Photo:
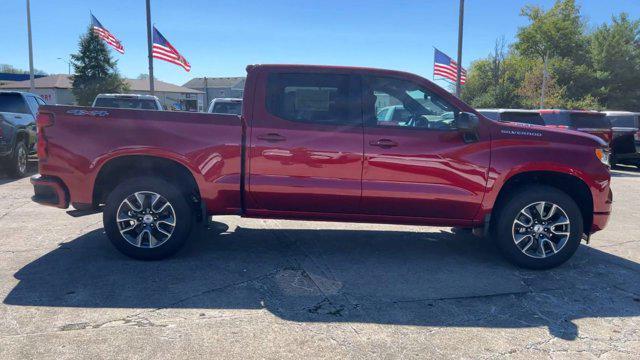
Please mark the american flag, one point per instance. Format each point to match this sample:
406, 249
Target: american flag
105, 35
444, 66
163, 50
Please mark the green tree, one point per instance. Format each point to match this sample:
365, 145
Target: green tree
558, 32
557, 37
492, 82
615, 52
95, 70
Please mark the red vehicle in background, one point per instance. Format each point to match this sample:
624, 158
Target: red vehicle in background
309, 145
591, 122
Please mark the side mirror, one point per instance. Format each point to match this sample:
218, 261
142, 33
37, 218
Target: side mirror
467, 122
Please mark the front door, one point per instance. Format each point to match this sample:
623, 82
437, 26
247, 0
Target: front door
416, 162
306, 144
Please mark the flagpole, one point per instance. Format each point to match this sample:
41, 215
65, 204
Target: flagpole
32, 84
149, 48
460, 22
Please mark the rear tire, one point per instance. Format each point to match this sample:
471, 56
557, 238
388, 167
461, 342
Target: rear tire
18, 162
529, 240
147, 218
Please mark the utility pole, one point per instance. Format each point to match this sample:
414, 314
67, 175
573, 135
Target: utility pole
150, 48
32, 84
206, 93
460, 23
545, 73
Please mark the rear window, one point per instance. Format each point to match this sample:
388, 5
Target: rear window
521, 117
624, 120
593, 121
13, 103
227, 108
124, 103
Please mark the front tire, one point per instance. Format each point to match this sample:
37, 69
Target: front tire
539, 227
147, 218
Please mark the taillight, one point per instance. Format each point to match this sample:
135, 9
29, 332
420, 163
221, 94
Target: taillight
43, 121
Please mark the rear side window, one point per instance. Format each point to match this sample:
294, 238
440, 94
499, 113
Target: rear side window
593, 121
13, 103
523, 117
624, 120
312, 98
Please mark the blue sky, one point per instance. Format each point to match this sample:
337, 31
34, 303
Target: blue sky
219, 38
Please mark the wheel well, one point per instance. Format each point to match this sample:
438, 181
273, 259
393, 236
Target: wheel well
569, 184
126, 167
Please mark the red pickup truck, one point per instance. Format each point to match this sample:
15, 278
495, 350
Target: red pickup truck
309, 146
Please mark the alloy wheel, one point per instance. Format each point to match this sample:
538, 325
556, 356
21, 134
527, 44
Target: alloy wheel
541, 229
146, 219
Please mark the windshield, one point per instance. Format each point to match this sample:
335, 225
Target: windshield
227, 108
13, 103
126, 103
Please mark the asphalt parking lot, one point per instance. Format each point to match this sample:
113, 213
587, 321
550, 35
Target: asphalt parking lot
287, 289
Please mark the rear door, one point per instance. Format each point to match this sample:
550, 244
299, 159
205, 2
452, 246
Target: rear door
305, 143
421, 166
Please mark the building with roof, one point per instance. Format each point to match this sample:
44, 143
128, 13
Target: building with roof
218, 87
6, 78
56, 89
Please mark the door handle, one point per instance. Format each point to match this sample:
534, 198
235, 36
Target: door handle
272, 137
383, 143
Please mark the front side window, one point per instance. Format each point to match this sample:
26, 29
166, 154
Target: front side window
410, 105
311, 98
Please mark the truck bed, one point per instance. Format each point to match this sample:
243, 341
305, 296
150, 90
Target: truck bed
83, 139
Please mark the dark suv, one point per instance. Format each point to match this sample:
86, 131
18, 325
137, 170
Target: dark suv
625, 146
18, 112
592, 122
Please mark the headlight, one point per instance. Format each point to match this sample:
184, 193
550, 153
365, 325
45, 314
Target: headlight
603, 155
